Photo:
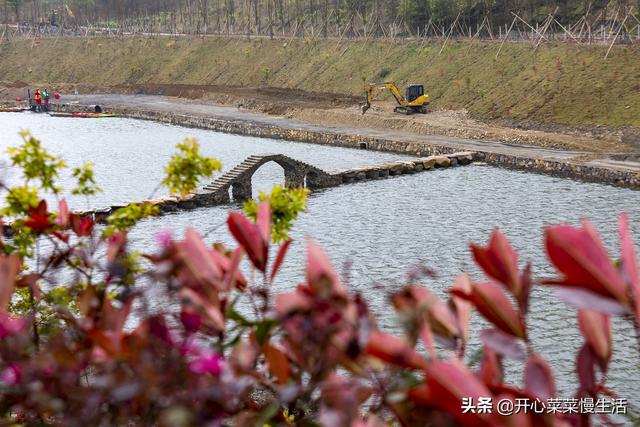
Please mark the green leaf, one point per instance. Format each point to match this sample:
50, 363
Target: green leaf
286, 204
86, 183
263, 329
187, 167
19, 200
36, 163
125, 218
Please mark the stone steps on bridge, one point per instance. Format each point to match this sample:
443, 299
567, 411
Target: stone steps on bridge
228, 177
249, 163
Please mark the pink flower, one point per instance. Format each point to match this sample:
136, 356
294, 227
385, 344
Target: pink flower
164, 238
210, 364
11, 375
10, 325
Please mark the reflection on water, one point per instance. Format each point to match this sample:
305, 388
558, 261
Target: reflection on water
382, 227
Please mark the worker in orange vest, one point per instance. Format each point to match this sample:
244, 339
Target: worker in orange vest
37, 97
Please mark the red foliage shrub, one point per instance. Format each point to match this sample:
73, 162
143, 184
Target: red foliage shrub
310, 356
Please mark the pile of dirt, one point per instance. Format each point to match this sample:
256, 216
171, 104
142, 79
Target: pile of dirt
458, 124
282, 96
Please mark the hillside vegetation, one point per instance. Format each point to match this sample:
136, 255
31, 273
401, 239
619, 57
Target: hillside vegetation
558, 83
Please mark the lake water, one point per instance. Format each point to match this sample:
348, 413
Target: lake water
381, 227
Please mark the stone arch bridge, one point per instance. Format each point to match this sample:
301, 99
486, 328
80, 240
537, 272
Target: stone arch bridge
238, 179
296, 173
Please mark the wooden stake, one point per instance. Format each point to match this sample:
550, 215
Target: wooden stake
450, 30
549, 20
505, 37
566, 31
527, 24
616, 37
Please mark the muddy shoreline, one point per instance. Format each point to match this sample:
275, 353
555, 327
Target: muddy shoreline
543, 161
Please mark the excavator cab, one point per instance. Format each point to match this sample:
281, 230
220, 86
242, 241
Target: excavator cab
414, 92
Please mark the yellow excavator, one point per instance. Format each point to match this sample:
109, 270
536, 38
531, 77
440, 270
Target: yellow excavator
414, 101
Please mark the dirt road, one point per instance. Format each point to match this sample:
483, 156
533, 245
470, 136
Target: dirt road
198, 108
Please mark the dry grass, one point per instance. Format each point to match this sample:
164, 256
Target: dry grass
557, 84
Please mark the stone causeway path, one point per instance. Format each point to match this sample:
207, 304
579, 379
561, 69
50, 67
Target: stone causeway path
234, 186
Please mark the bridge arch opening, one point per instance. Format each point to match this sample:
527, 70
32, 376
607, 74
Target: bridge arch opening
266, 177
261, 173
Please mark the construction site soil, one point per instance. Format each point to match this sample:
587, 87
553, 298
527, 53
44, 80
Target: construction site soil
332, 109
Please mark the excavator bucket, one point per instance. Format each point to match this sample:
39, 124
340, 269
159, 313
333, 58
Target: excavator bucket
365, 108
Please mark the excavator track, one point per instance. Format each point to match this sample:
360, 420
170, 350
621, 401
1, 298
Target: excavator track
404, 110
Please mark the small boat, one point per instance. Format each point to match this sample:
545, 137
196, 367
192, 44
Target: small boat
93, 115
13, 109
84, 115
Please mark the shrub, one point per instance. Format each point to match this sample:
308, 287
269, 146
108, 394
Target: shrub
72, 354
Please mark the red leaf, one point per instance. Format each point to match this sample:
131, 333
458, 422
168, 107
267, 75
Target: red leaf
113, 319
629, 261
211, 315
491, 370
290, 302
320, 274
190, 321
538, 378
231, 267
585, 367
263, 221
417, 301
500, 262
117, 242
282, 252
62, 219
81, 226
462, 307
447, 383
110, 342
584, 299
278, 364
503, 343
525, 292
581, 257
493, 304
596, 328
199, 260
427, 339
250, 238
39, 220
394, 350
9, 269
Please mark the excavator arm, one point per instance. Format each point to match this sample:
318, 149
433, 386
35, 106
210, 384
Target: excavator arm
375, 88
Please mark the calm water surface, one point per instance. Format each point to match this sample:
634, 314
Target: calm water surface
381, 227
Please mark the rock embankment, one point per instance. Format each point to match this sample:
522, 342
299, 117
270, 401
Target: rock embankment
546, 163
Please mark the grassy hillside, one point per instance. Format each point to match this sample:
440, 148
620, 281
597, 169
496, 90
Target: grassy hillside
557, 84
